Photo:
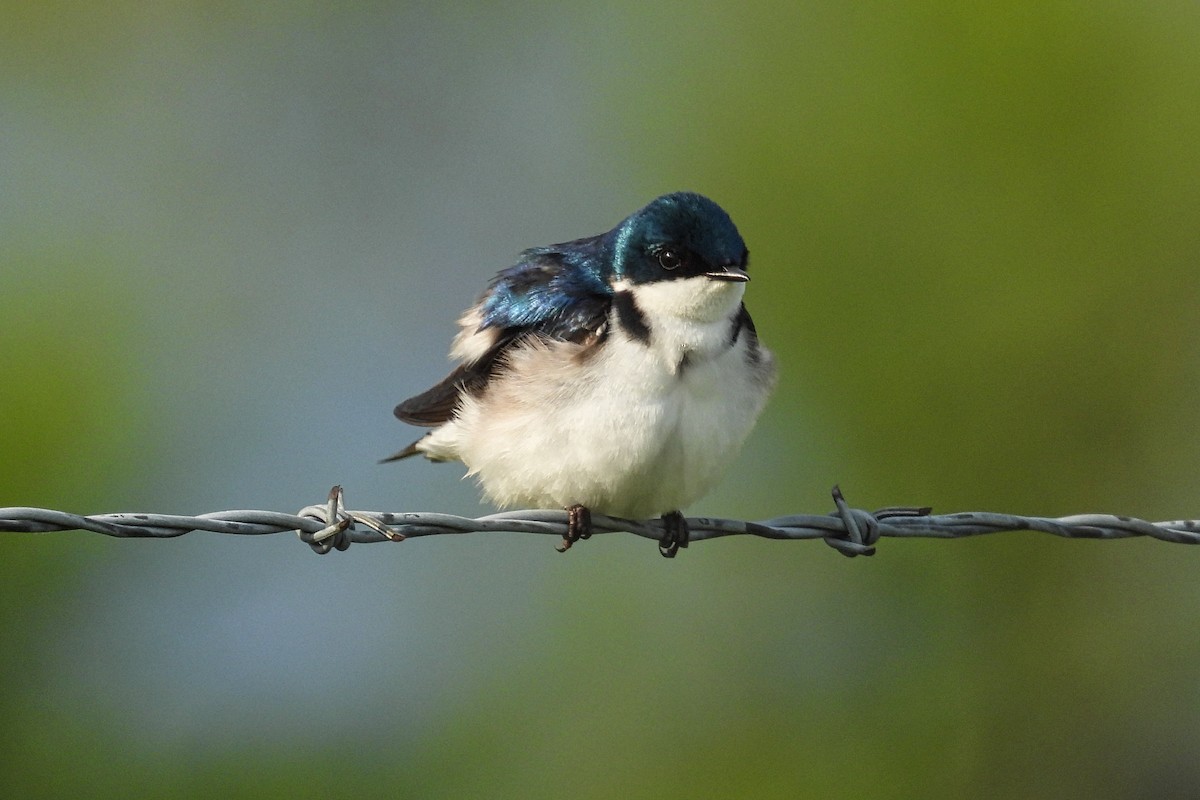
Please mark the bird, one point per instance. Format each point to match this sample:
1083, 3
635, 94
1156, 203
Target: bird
618, 373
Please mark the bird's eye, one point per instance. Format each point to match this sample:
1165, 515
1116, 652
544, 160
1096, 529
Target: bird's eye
669, 259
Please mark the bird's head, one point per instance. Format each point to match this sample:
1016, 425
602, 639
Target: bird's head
675, 237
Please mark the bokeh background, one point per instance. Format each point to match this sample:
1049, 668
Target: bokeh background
233, 236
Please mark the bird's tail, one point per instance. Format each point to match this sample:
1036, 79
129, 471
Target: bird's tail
411, 450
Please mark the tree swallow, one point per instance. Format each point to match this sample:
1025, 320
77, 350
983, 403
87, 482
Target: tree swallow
619, 373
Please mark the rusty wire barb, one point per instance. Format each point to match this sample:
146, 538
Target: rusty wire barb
850, 531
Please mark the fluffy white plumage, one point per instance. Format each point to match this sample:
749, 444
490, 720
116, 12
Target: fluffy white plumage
631, 428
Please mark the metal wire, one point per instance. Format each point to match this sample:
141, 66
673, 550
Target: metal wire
852, 532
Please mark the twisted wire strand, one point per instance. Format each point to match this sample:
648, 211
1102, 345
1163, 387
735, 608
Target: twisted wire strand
852, 532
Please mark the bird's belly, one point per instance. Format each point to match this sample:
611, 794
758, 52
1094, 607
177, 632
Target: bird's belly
629, 438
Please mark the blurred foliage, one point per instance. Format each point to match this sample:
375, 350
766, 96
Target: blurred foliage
67, 358
974, 233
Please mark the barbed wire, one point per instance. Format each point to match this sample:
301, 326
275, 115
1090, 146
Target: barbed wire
850, 531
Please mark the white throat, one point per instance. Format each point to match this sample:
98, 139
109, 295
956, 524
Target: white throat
697, 300
688, 318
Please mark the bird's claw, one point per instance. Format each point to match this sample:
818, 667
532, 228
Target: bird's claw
675, 534
579, 526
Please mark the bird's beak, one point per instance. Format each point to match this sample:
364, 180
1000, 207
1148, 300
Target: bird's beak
730, 273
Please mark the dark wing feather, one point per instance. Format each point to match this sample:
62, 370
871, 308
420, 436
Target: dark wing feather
438, 404
435, 405
554, 293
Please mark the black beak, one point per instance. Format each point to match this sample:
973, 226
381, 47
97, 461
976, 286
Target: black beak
730, 273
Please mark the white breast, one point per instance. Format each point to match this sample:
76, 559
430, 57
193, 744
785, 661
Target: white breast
625, 428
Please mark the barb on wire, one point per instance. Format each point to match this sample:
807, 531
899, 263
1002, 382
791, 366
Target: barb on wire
851, 531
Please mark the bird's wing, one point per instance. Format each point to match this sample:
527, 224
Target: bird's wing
549, 294
438, 403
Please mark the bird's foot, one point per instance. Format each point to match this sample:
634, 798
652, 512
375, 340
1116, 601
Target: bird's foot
579, 526
675, 534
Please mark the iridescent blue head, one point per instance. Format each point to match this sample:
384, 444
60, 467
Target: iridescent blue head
679, 235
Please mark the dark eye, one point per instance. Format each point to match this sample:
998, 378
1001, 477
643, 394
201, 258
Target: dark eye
669, 259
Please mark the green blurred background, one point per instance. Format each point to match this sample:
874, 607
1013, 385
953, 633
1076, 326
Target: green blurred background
233, 236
